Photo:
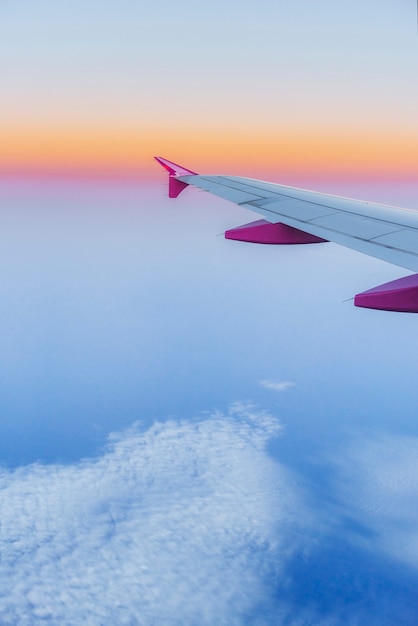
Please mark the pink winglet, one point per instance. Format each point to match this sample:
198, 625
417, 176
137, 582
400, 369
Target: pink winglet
262, 231
175, 187
398, 295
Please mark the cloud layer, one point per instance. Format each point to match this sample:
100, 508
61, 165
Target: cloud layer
175, 525
277, 385
379, 479
193, 523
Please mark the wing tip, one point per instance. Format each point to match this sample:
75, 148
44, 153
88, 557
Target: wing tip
173, 168
175, 186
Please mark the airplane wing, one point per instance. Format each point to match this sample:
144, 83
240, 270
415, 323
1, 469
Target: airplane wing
293, 216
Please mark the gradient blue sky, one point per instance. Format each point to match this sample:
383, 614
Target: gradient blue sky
194, 430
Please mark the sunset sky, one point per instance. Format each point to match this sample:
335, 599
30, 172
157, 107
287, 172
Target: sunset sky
283, 89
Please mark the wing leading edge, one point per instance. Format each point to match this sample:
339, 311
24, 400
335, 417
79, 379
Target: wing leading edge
293, 215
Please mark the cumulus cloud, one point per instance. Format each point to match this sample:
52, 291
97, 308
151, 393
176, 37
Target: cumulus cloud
185, 523
277, 385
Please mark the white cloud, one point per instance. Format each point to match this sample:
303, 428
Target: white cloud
184, 523
376, 481
277, 385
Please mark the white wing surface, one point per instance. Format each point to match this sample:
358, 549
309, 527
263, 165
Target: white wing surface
388, 233
384, 232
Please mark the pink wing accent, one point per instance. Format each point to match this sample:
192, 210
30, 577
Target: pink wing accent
398, 295
173, 168
262, 231
175, 187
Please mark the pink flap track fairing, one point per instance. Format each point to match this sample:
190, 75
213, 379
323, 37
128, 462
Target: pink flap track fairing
262, 231
399, 295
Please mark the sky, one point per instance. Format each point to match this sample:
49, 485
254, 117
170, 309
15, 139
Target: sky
275, 88
195, 430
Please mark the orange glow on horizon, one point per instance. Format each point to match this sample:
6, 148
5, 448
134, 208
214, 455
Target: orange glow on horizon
129, 151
